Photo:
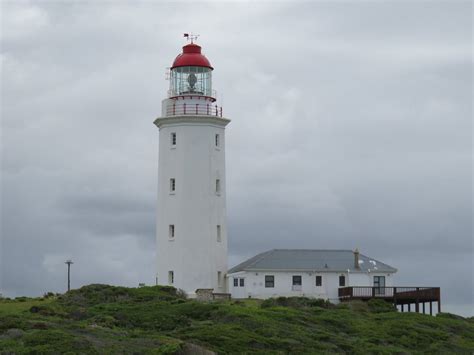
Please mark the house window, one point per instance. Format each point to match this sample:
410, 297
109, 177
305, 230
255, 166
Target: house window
219, 279
170, 277
171, 231
342, 281
218, 186
319, 280
297, 280
219, 238
236, 282
173, 139
217, 140
172, 185
269, 281
379, 285
297, 283
242, 282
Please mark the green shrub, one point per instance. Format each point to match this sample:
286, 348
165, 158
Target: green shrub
449, 316
296, 302
55, 341
13, 321
380, 306
101, 319
356, 306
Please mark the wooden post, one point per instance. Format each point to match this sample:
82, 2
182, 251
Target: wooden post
423, 307
409, 307
373, 292
402, 307
417, 302
439, 306
431, 308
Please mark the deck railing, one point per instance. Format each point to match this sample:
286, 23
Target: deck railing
366, 292
205, 109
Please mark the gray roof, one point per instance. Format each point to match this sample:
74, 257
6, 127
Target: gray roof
310, 260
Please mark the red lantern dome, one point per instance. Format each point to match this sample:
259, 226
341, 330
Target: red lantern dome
191, 57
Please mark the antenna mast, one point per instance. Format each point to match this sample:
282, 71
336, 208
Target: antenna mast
69, 262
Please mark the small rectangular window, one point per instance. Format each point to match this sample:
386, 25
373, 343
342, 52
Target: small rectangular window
219, 238
173, 138
219, 279
319, 280
342, 280
218, 186
172, 185
217, 140
242, 282
269, 281
236, 282
171, 231
170, 277
297, 280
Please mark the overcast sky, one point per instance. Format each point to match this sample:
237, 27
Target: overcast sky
351, 127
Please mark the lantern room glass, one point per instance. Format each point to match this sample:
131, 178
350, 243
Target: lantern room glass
191, 80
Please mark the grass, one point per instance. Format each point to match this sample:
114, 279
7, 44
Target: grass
101, 319
21, 304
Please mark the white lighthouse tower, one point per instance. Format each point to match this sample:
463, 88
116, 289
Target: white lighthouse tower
191, 215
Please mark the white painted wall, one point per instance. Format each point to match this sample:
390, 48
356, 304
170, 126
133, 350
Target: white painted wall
255, 284
194, 254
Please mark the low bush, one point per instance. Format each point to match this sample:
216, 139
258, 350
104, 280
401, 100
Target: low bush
296, 302
380, 306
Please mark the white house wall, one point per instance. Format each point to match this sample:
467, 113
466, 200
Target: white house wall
255, 284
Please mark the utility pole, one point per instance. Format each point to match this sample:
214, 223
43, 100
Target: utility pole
69, 262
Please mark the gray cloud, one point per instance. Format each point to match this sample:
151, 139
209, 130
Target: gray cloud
352, 126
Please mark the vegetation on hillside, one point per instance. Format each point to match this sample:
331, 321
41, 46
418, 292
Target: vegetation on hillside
101, 319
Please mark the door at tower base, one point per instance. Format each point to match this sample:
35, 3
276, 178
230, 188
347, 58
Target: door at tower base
191, 227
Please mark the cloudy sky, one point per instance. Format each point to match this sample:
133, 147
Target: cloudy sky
351, 127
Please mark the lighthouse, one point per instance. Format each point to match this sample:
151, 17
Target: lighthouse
191, 233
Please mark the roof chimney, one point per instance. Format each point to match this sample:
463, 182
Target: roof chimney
356, 259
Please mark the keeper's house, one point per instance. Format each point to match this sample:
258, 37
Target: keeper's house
304, 272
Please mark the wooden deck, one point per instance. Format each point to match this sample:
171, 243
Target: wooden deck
399, 296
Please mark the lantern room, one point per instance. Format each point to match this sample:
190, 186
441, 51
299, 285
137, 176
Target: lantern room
191, 73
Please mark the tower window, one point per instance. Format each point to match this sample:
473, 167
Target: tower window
219, 238
173, 139
170, 277
171, 231
172, 185
218, 186
217, 140
319, 280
